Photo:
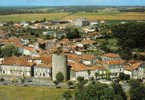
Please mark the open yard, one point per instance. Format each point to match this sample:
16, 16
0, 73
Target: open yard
30, 93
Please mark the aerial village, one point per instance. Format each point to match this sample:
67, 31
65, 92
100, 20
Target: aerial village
50, 51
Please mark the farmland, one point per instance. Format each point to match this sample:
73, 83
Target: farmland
70, 16
29, 93
108, 15
31, 17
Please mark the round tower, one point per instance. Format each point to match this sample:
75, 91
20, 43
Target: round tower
59, 64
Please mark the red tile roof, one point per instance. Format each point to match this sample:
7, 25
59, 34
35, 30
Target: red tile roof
111, 62
88, 42
44, 65
65, 42
16, 60
29, 48
133, 66
87, 57
46, 59
81, 67
111, 55
23, 61
73, 57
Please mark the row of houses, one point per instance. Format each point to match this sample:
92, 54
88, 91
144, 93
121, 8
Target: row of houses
109, 63
72, 67
25, 67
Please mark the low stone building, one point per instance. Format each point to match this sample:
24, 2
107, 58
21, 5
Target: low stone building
15, 70
136, 70
114, 67
26, 67
14, 67
42, 71
80, 70
88, 59
110, 56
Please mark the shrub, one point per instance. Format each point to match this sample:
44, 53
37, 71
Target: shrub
67, 95
59, 77
80, 79
70, 83
2, 79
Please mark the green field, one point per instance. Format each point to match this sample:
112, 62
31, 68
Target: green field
32, 17
30, 93
108, 15
70, 16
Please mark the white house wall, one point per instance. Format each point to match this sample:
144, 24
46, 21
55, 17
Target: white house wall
42, 72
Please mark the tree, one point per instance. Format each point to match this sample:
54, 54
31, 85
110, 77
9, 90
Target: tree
123, 76
96, 74
67, 95
96, 91
59, 77
119, 91
110, 45
105, 30
127, 77
9, 50
72, 32
32, 39
137, 90
70, 83
81, 84
89, 73
108, 74
80, 79
2, 79
130, 36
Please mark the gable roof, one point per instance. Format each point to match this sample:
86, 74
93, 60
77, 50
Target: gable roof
88, 42
81, 67
111, 62
133, 66
16, 61
87, 57
111, 55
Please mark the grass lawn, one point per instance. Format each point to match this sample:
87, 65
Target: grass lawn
30, 93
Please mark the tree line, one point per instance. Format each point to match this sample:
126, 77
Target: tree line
124, 39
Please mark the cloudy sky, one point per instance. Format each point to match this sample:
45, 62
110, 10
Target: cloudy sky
70, 2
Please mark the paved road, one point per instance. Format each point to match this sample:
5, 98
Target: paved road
49, 84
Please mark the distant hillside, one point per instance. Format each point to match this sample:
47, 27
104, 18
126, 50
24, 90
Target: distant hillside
24, 10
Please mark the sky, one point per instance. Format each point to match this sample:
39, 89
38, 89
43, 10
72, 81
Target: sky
71, 2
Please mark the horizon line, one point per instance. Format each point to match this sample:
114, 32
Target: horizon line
71, 6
